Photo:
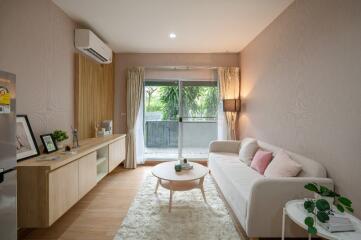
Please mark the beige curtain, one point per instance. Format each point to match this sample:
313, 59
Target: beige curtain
135, 83
229, 89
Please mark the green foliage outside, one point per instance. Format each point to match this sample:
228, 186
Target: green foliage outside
169, 102
198, 101
210, 104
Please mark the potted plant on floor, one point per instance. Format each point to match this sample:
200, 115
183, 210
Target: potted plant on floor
60, 136
320, 208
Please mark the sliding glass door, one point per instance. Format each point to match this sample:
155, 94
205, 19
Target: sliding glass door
198, 111
161, 107
179, 119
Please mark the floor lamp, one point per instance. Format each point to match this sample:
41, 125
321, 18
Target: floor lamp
231, 107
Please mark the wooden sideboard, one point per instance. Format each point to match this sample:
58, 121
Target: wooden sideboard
49, 188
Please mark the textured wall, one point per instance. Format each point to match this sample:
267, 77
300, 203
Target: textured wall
301, 79
36, 43
123, 61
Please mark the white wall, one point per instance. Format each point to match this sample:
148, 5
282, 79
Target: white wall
36, 43
301, 79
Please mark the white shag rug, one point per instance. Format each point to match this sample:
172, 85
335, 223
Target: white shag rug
191, 218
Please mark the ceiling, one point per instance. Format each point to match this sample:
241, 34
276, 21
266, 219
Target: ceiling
201, 26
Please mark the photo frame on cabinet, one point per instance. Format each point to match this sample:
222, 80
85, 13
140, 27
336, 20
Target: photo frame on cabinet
49, 143
26, 146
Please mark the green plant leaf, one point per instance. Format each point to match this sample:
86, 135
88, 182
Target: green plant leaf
340, 208
322, 216
333, 194
350, 209
312, 187
309, 205
345, 201
324, 191
312, 230
309, 221
322, 205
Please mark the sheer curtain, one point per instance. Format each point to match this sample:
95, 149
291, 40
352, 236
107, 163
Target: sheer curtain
229, 89
221, 123
139, 132
135, 85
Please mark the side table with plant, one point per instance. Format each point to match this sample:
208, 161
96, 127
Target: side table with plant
320, 208
59, 137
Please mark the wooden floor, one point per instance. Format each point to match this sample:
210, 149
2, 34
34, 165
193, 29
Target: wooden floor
99, 214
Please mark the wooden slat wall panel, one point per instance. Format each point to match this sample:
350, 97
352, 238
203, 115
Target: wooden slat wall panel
94, 94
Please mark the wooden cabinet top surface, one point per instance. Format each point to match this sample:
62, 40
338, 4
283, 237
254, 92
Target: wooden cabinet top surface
86, 146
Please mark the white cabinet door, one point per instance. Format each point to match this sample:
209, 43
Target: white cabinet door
116, 153
87, 173
63, 190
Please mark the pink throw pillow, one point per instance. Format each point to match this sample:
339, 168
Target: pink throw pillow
261, 160
282, 166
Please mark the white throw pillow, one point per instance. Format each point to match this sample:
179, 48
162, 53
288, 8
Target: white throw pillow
248, 149
282, 166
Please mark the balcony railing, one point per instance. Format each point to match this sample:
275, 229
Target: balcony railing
164, 134
161, 134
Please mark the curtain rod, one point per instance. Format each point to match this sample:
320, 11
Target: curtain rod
179, 67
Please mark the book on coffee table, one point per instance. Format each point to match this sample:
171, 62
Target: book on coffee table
338, 223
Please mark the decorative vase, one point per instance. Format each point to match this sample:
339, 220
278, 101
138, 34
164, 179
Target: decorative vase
330, 200
60, 144
178, 167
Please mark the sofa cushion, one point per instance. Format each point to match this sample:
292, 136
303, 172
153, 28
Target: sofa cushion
235, 179
261, 160
282, 166
310, 168
248, 149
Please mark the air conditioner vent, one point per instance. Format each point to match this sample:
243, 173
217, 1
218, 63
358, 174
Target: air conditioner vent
95, 54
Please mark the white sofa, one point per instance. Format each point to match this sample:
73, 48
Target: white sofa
257, 201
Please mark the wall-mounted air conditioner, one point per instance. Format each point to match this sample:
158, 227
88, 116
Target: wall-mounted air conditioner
87, 42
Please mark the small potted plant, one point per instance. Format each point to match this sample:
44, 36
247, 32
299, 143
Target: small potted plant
320, 208
59, 136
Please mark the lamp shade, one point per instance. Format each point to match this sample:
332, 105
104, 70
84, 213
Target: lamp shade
231, 105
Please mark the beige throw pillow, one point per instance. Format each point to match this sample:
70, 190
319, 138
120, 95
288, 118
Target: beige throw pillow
282, 166
248, 149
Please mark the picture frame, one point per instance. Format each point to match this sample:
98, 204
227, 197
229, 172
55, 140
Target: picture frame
48, 143
26, 146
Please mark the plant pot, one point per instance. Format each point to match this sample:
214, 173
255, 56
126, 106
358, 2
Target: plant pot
330, 200
60, 145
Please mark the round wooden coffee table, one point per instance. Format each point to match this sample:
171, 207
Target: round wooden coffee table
179, 181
